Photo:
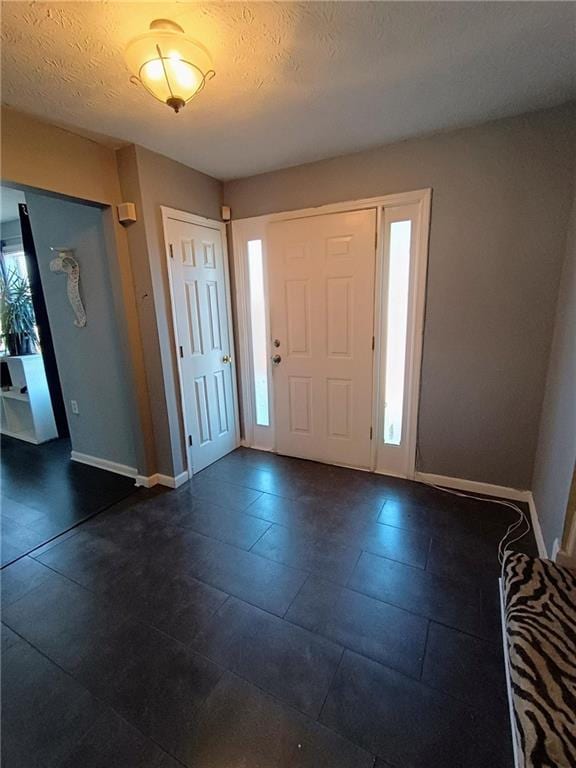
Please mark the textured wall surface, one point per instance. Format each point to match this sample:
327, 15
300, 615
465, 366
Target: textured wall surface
91, 365
500, 206
556, 454
294, 81
152, 180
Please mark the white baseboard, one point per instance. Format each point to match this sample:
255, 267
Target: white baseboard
486, 489
157, 479
173, 482
562, 557
473, 486
144, 481
110, 466
536, 527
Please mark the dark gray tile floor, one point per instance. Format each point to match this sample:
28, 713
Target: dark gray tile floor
43, 494
272, 612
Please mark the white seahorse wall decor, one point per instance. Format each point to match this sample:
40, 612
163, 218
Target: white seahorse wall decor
67, 264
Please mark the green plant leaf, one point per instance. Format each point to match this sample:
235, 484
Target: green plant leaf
16, 308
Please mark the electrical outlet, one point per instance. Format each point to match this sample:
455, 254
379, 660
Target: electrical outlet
74, 406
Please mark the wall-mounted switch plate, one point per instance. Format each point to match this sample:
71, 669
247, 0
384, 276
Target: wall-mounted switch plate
74, 406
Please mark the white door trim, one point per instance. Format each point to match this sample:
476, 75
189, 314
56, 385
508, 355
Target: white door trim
243, 230
387, 201
192, 218
255, 227
416, 316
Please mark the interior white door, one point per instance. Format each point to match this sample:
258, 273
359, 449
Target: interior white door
200, 308
321, 277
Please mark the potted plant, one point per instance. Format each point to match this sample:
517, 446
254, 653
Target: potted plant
17, 321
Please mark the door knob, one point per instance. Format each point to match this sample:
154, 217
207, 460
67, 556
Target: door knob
227, 359
276, 359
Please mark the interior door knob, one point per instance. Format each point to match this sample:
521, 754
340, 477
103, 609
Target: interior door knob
227, 359
276, 359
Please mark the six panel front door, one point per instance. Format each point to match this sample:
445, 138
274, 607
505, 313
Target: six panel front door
321, 277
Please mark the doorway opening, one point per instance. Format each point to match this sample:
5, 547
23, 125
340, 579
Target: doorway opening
330, 306
66, 437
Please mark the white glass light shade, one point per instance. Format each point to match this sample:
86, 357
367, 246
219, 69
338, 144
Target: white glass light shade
172, 67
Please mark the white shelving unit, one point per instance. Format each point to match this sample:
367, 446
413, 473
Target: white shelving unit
27, 415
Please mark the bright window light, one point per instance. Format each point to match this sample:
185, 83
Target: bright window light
397, 323
258, 328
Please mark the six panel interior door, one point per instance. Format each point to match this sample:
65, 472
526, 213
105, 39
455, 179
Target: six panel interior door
321, 283
201, 316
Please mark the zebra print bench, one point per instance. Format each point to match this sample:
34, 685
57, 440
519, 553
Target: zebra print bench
539, 623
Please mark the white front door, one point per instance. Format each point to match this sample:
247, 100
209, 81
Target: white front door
200, 308
321, 277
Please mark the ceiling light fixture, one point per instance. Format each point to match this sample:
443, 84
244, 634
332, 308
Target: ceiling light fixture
172, 67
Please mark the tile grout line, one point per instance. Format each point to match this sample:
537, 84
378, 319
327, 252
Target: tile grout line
260, 537
301, 628
95, 696
92, 515
430, 541
57, 573
95, 591
424, 650
224, 668
353, 569
338, 666
300, 588
299, 712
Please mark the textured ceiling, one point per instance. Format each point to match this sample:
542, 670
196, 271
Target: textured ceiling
294, 81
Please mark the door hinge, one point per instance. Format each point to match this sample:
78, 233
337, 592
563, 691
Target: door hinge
370, 433
181, 351
372, 342
190, 440
171, 251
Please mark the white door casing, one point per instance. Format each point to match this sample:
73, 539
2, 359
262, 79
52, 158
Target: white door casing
385, 459
400, 460
321, 283
200, 307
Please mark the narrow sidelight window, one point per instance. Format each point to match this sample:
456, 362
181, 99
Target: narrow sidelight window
397, 303
258, 331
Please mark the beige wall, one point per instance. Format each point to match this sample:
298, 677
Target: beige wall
501, 200
44, 157
152, 180
556, 455
41, 155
